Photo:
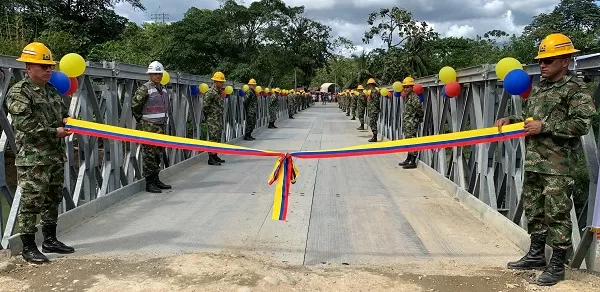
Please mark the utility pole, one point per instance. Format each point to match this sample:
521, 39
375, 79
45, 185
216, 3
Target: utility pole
162, 16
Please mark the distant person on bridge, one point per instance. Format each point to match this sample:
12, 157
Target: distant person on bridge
37, 111
213, 111
361, 105
273, 107
411, 119
291, 102
251, 108
355, 98
150, 106
561, 113
374, 108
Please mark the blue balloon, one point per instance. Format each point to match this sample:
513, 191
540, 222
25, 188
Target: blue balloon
241, 93
421, 98
60, 81
194, 90
397, 94
516, 82
444, 92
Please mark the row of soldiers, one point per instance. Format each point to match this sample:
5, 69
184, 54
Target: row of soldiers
361, 103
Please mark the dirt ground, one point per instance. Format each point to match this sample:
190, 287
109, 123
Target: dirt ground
231, 272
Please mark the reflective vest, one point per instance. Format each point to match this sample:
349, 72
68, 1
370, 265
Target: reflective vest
156, 107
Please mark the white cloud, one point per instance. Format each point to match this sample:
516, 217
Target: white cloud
460, 31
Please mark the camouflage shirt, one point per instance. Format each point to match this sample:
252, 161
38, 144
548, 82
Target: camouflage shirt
139, 100
565, 112
213, 107
412, 115
36, 113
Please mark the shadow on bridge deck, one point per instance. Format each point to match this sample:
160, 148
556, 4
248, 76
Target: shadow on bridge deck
361, 210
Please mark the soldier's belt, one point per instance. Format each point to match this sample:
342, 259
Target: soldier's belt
284, 172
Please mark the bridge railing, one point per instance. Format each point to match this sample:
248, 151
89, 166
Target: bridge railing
492, 172
96, 167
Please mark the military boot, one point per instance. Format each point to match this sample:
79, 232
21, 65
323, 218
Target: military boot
161, 185
151, 186
51, 243
212, 160
411, 162
274, 127
555, 271
30, 252
535, 257
362, 127
217, 158
374, 139
250, 135
353, 119
247, 137
291, 117
405, 162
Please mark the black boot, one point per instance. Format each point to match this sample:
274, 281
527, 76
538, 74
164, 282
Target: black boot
247, 137
217, 158
212, 160
151, 186
411, 163
51, 244
160, 184
362, 127
535, 257
274, 127
250, 135
555, 271
353, 118
374, 139
270, 125
291, 117
30, 252
405, 162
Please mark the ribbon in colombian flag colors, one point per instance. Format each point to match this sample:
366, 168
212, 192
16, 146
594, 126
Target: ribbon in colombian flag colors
284, 172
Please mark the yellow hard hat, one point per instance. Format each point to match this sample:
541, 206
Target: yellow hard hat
555, 44
371, 81
267, 90
219, 76
252, 82
408, 81
277, 90
36, 53
360, 87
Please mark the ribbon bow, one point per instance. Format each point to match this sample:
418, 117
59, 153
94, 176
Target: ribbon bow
285, 173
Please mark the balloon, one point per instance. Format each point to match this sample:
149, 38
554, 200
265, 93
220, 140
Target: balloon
258, 89
228, 89
452, 89
444, 92
72, 64
74, 85
418, 89
525, 95
397, 86
246, 88
421, 98
397, 93
60, 81
390, 94
506, 65
516, 82
267, 90
447, 74
194, 90
165, 79
203, 88
384, 91
241, 93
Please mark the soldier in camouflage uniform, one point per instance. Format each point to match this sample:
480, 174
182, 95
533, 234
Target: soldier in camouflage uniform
361, 106
561, 113
290, 99
355, 100
273, 107
349, 99
37, 111
373, 108
251, 108
411, 119
150, 106
213, 112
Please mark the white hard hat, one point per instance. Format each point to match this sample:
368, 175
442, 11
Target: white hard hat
155, 67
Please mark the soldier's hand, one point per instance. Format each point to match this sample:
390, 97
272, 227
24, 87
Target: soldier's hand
61, 132
501, 122
532, 127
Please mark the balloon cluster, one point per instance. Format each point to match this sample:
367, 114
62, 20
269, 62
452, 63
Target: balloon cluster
71, 66
447, 76
516, 80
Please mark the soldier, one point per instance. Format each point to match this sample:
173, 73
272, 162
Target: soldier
251, 108
290, 99
149, 106
213, 111
411, 119
361, 105
37, 111
349, 102
355, 100
273, 106
373, 108
561, 113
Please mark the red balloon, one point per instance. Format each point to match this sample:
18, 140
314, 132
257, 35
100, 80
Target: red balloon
390, 94
453, 89
418, 88
525, 94
74, 86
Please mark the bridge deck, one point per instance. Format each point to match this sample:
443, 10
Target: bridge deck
361, 210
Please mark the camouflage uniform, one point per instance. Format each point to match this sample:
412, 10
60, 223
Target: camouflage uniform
36, 113
353, 104
565, 112
374, 108
290, 100
412, 116
273, 107
251, 108
213, 111
361, 106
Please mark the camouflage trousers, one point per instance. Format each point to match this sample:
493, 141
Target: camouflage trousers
290, 108
360, 111
41, 193
411, 133
373, 117
272, 115
353, 108
151, 155
547, 204
250, 121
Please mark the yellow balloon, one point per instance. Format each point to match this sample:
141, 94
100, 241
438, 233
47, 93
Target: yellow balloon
267, 90
72, 64
384, 91
228, 90
447, 74
245, 88
165, 79
506, 65
258, 89
397, 86
203, 88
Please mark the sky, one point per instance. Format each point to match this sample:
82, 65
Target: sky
348, 18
